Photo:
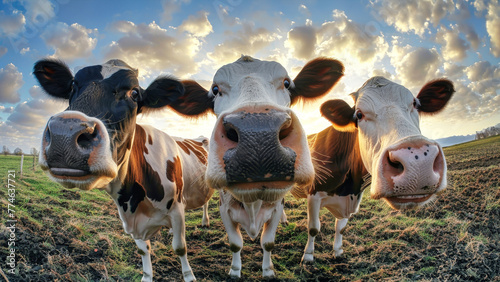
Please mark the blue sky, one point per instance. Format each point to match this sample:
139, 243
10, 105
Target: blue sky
409, 42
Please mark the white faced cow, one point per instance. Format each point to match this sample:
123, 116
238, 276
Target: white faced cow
258, 150
380, 136
96, 143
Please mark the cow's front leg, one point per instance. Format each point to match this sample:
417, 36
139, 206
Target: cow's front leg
337, 243
235, 241
144, 251
267, 240
179, 239
205, 221
314, 225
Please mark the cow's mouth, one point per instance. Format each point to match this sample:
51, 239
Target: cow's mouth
265, 191
68, 172
402, 202
410, 198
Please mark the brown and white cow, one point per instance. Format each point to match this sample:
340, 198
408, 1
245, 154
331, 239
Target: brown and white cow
378, 141
96, 143
258, 150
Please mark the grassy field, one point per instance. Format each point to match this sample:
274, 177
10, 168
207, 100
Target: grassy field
72, 235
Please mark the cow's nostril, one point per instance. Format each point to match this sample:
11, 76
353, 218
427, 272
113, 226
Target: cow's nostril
232, 134
47, 135
395, 164
86, 139
286, 129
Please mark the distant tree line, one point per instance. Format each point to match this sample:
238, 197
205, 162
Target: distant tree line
18, 151
487, 132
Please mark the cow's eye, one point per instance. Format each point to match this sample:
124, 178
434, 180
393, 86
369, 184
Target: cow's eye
359, 115
286, 83
416, 103
134, 94
215, 89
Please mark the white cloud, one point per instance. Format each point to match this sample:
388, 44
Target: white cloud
413, 15
415, 67
493, 27
482, 70
470, 35
248, 41
36, 92
453, 71
11, 24
479, 5
39, 12
25, 125
340, 38
198, 25
150, 47
453, 48
302, 41
11, 81
70, 42
24, 50
304, 10
6, 110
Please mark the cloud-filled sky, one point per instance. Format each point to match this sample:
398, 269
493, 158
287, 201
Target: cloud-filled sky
409, 42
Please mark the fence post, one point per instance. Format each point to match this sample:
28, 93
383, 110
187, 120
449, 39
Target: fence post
22, 159
34, 161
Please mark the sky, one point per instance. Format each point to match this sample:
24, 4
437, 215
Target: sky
409, 42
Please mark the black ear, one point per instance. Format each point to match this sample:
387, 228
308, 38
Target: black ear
195, 102
316, 79
54, 77
340, 114
160, 93
434, 96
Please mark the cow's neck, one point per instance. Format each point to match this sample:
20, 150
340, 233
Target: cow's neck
123, 160
337, 161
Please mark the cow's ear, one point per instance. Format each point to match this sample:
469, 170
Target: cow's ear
160, 93
316, 79
54, 77
434, 95
340, 114
195, 102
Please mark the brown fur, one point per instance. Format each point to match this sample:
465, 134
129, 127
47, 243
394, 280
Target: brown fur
174, 174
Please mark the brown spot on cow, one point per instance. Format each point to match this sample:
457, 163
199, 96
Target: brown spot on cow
174, 174
140, 175
196, 147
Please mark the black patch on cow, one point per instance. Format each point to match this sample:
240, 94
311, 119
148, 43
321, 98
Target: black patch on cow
169, 204
133, 193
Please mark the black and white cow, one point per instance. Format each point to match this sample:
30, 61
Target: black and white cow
95, 143
258, 150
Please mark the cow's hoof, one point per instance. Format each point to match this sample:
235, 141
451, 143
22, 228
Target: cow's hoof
189, 276
147, 278
338, 253
308, 258
235, 272
267, 273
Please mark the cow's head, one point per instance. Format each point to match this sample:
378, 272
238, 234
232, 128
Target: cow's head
258, 149
407, 169
86, 145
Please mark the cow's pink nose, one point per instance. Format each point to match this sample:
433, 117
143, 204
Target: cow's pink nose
414, 169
